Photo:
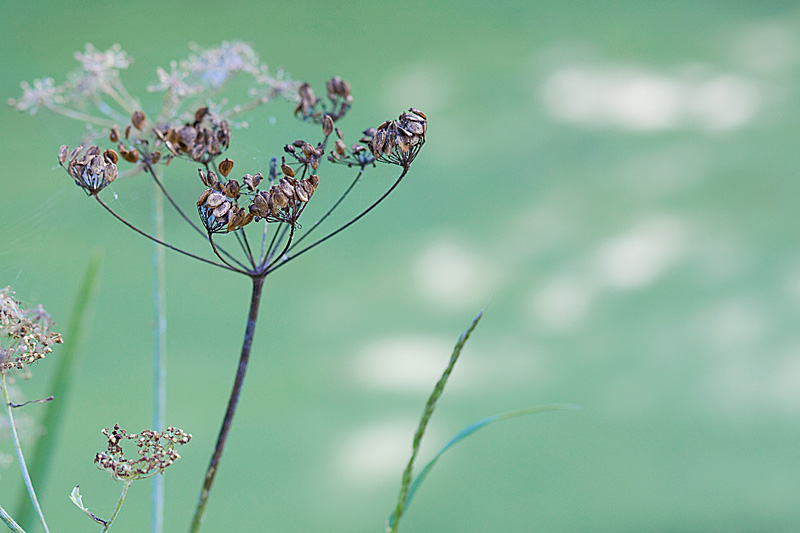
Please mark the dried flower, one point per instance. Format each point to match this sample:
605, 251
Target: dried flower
202, 140
25, 335
399, 141
93, 171
156, 452
358, 155
43, 93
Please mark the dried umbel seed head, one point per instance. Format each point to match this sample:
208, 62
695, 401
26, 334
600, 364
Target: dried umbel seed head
359, 154
155, 452
202, 140
338, 88
218, 204
91, 171
305, 154
307, 100
399, 141
284, 201
25, 335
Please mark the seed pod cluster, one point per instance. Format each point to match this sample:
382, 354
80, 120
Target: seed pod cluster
309, 107
358, 155
218, 206
91, 171
202, 140
399, 141
304, 153
285, 200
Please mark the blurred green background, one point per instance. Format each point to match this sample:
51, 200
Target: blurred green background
620, 179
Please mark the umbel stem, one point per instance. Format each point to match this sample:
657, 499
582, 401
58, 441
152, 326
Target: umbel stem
233, 401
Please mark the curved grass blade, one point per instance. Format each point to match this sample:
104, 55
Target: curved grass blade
423, 423
466, 432
67, 360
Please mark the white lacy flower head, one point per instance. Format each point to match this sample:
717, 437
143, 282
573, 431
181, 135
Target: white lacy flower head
214, 66
174, 81
44, 92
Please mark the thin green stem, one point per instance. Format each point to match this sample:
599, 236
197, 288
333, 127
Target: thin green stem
7, 520
20, 459
83, 117
118, 507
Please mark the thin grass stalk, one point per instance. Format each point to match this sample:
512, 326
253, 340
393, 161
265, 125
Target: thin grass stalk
159, 353
430, 406
7, 520
18, 449
61, 382
233, 401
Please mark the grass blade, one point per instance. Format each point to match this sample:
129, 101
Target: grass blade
67, 360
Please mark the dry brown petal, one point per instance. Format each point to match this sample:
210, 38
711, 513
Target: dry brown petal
327, 125
138, 119
287, 170
204, 197
220, 211
111, 155
215, 199
225, 166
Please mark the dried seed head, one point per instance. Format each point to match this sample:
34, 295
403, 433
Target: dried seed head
399, 141
337, 87
225, 167
25, 335
92, 171
138, 120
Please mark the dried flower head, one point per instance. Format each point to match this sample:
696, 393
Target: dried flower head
357, 155
43, 93
156, 452
202, 140
25, 335
91, 171
309, 107
214, 66
399, 141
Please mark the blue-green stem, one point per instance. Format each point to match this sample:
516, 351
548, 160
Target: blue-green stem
20, 457
159, 353
118, 507
7, 520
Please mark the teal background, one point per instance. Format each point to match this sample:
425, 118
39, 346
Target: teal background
619, 179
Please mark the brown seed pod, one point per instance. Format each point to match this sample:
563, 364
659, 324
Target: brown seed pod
232, 189
138, 120
63, 153
110, 155
155, 157
287, 170
220, 211
215, 199
131, 156
204, 197
113, 136
327, 125
340, 148
300, 192
110, 172
225, 166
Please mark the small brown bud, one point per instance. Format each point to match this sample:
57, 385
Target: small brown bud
128, 131
225, 167
340, 147
155, 157
327, 125
63, 152
138, 119
204, 197
113, 136
232, 189
131, 156
110, 155
287, 170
